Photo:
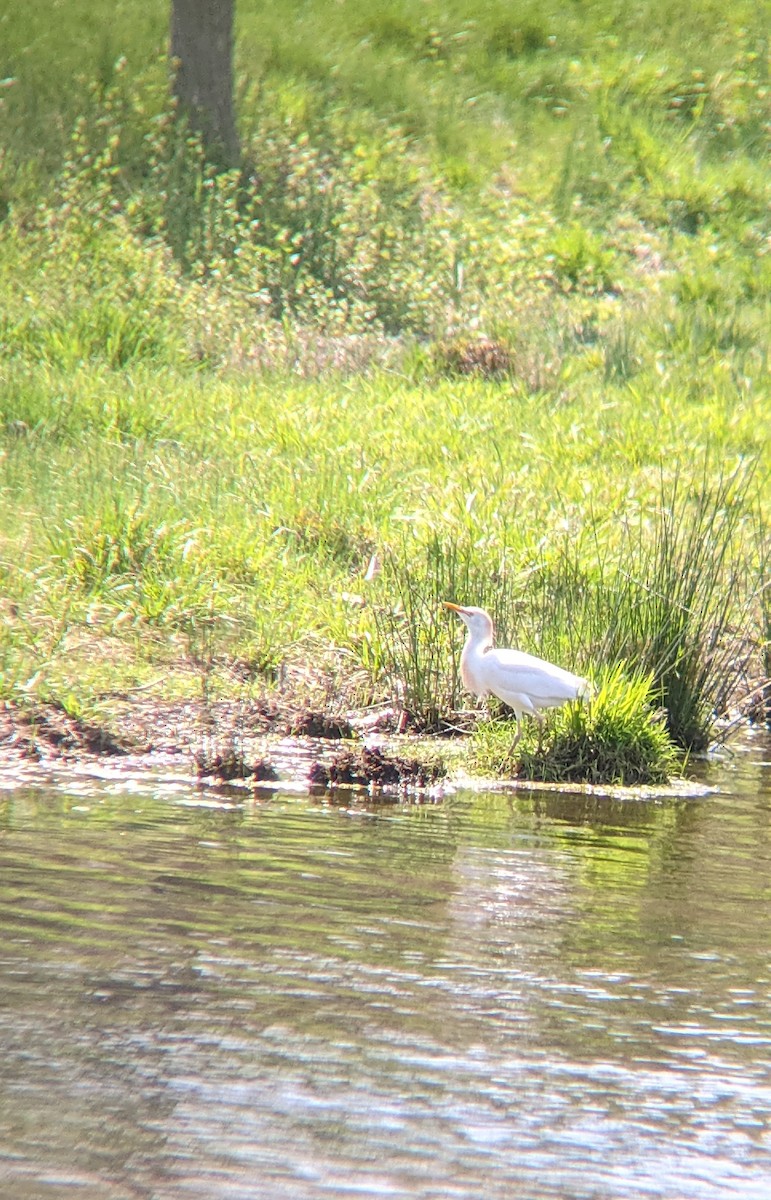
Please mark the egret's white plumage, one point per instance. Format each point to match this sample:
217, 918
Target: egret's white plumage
526, 683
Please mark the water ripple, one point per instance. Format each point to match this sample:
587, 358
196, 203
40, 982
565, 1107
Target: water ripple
536, 995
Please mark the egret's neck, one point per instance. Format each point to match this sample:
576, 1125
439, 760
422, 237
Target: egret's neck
471, 661
478, 643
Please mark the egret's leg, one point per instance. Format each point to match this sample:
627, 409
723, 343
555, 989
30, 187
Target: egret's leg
540, 719
517, 736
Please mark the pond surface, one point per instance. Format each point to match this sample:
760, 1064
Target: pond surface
493, 996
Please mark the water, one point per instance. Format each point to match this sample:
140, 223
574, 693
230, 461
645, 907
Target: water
490, 996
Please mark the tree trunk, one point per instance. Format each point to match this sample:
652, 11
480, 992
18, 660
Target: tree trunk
202, 52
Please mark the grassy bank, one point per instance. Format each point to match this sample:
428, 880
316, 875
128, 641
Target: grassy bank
484, 318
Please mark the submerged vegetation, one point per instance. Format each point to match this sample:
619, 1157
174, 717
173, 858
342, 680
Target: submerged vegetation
483, 317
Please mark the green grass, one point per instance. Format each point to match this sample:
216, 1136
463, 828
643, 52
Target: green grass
618, 737
488, 304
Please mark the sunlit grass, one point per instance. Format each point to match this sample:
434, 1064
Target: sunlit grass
484, 319
260, 522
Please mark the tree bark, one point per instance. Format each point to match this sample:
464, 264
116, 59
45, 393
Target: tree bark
202, 53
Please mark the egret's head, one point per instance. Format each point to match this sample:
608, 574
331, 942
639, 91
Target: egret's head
479, 622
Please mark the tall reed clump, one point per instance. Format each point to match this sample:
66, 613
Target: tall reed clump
679, 599
418, 646
653, 603
760, 701
665, 587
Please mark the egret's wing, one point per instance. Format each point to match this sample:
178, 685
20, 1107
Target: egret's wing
514, 672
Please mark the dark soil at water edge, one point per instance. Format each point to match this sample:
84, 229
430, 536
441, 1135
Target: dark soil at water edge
224, 740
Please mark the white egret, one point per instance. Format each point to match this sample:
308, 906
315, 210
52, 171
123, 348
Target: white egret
524, 682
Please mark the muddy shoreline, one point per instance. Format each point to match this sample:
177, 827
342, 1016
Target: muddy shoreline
235, 751
254, 742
